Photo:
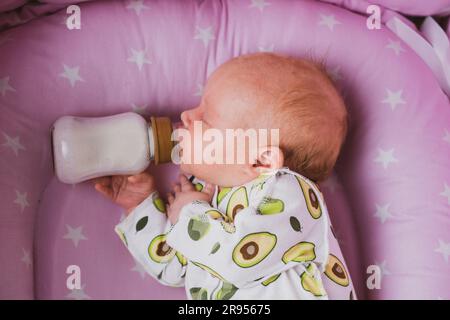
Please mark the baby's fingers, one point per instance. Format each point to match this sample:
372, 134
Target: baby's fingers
209, 189
186, 185
170, 198
105, 190
141, 177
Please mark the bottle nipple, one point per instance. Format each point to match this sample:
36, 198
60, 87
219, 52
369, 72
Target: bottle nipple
161, 136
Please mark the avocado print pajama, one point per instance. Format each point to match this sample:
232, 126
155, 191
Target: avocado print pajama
267, 239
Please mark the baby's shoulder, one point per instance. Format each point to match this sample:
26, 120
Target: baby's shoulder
286, 186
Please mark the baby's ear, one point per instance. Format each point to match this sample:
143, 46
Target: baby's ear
269, 158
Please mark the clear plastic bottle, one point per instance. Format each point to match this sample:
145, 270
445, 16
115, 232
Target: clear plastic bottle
126, 143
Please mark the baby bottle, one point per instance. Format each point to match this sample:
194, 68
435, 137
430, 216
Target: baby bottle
126, 143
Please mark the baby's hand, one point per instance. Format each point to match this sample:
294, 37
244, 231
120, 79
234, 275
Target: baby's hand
185, 193
127, 191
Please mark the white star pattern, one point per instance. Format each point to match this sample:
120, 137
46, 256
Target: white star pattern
446, 193
444, 249
383, 212
396, 46
328, 21
385, 157
204, 34
13, 143
446, 136
26, 258
200, 89
78, 294
260, 4
21, 200
394, 98
268, 48
75, 234
139, 268
138, 57
71, 74
5, 86
137, 6
139, 109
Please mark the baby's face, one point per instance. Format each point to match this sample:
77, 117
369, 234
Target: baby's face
226, 104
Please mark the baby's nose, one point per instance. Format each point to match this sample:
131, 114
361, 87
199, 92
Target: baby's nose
185, 119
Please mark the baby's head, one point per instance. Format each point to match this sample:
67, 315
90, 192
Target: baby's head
269, 91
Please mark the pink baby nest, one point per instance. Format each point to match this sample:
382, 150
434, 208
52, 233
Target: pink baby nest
388, 199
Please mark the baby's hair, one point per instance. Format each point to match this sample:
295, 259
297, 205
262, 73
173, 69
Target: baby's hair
314, 118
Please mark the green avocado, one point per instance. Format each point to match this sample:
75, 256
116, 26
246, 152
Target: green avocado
270, 280
237, 202
159, 251
335, 270
159, 203
228, 227
253, 248
209, 270
301, 252
198, 228
223, 191
226, 292
199, 293
310, 283
312, 201
198, 187
215, 214
182, 259
271, 206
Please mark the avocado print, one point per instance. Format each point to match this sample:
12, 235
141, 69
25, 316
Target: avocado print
260, 181
310, 283
223, 191
228, 227
312, 202
237, 202
159, 251
122, 236
270, 280
182, 259
141, 223
215, 214
226, 292
199, 293
209, 270
254, 248
301, 252
159, 203
198, 228
198, 187
335, 270
271, 206
295, 224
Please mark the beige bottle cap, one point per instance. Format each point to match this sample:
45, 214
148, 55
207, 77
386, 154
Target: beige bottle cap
162, 133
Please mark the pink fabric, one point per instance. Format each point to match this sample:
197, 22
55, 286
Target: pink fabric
388, 200
408, 7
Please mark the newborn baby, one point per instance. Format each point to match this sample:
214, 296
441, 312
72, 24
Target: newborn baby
256, 230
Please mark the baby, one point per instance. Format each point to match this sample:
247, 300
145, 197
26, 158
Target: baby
253, 230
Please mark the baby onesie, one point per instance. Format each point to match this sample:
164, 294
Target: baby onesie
266, 239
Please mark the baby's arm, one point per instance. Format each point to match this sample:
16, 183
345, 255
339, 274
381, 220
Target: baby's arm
144, 233
143, 230
266, 238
